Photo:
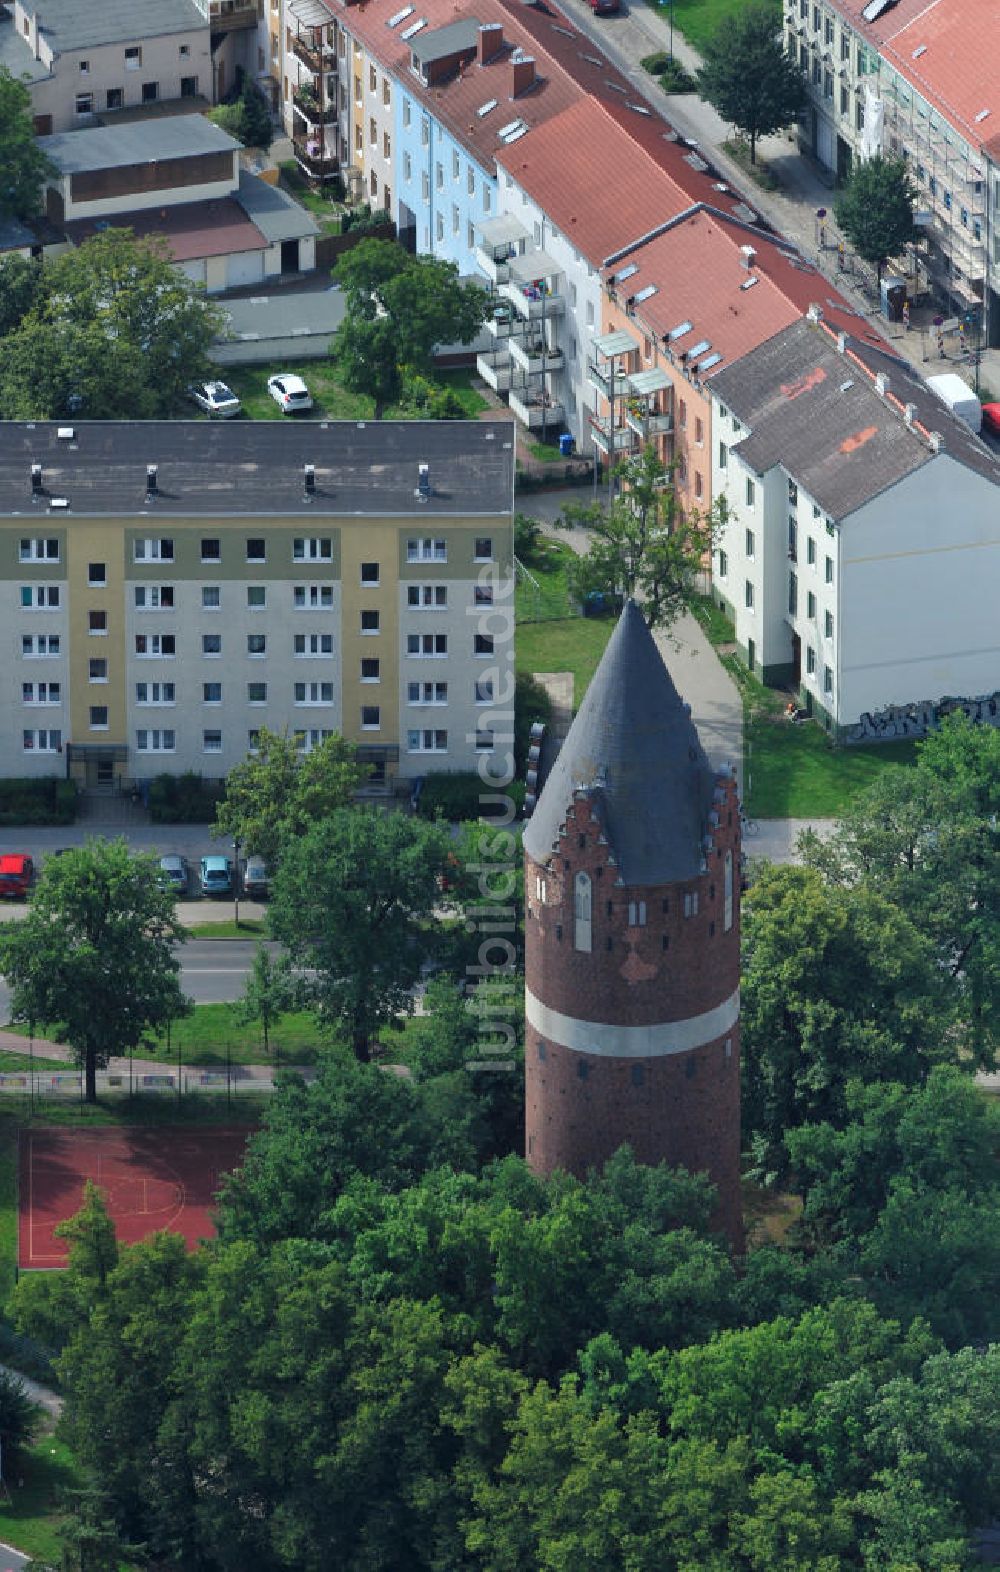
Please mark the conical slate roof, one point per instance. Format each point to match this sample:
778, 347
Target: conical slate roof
634, 748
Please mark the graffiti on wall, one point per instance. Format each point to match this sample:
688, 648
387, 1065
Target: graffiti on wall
916, 720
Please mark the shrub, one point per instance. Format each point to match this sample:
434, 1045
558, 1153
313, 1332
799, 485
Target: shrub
47, 799
183, 799
458, 794
526, 535
672, 75
531, 703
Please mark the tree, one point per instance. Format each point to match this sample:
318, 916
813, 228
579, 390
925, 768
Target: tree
875, 209
267, 995
20, 283
94, 957
347, 899
278, 792
398, 307
24, 167
642, 544
748, 77
19, 1418
117, 332
246, 117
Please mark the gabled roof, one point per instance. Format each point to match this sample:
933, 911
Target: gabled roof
633, 749
81, 24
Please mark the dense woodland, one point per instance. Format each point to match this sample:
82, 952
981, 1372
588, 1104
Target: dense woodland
406, 1352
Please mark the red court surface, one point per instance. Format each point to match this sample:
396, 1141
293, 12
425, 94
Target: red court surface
152, 1178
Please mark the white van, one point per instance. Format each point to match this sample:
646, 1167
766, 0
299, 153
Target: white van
960, 399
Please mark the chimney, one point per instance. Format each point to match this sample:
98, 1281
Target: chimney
814, 314
36, 480
151, 480
749, 255
423, 482
935, 441
490, 42
910, 414
882, 384
309, 479
841, 343
522, 75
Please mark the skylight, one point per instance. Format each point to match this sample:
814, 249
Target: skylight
921, 49
698, 349
564, 30
710, 361
644, 294
484, 109
515, 136
413, 29
982, 115
640, 109
400, 16
748, 283
626, 272
512, 130
677, 332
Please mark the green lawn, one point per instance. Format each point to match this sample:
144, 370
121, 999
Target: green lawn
329, 214
549, 637
331, 400
30, 1520
203, 1037
795, 772
699, 19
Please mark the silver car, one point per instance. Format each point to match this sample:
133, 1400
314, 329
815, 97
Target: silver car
217, 399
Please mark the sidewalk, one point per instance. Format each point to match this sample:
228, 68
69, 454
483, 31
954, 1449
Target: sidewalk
56, 1054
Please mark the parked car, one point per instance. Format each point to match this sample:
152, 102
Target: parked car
289, 393
215, 398
991, 418
256, 879
175, 873
605, 7
216, 876
16, 873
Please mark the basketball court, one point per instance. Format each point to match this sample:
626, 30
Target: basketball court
152, 1178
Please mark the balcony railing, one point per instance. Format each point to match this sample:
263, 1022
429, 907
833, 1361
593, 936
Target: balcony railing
309, 159
226, 16
648, 423
534, 409
536, 357
623, 437
312, 112
495, 369
532, 303
319, 58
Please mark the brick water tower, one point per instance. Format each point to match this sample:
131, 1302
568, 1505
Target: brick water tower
632, 936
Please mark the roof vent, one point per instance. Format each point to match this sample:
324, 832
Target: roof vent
748, 283
309, 479
814, 314
749, 255
36, 480
423, 491
58, 502
882, 384
936, 441
151, 488
910, 414
921, 49
983, 114
67, 433
841, 343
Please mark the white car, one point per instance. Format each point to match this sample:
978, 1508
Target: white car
215, 398
289, 393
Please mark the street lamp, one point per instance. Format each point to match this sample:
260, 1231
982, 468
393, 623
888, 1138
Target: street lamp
236, 879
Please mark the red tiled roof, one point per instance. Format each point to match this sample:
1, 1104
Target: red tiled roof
191, 229
701, 277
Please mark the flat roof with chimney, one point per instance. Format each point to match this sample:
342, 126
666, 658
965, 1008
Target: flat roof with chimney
255, 468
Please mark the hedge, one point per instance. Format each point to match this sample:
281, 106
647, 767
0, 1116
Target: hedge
183, 799
458, 796
44, 799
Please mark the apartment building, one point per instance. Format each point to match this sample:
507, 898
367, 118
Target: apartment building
169, 588
861, 557
905, 77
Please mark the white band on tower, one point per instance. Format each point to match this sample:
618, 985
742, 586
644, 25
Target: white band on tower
632, 1042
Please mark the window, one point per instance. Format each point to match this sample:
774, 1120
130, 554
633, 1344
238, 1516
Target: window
150, 92
482, 594
256, 597
154, 692
691, 903
750, 492
98, 717
97, 622
211, 550
470, 181
307, 739
211, 597
369, 670
482, 644
84, 103
44, 741
312, 644
828, 624
484, 691
484, 548
369, 573
211, 693
793, 539
484, 739
699, 431
427, 741
155, 741
211, 644
386, 92
184, 51
407, 167
439, 227
827, 679
811, 662
407, 111
727, 892
98, 670
723, 564
749, 543
426, 551
386, 145
425, 186
723, 455
149, 646
811, 551
582, 930
256, 549
312, 597
256, 645
425, 132
133, 58
810, 605
370, 717
439, 176
828, 570
370, 621
314, 693
637, 914
84, 67
114, 98
426, 597
40, 597
97, 575
253, 740
748, 594
211, 742
39, 644
256, 692
372, 79
699, 485
793, 595
46, 550
157, 550
41, 693
189, 87
426, 645
426, 693
154, 597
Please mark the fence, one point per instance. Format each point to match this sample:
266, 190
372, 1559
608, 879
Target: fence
69, 1084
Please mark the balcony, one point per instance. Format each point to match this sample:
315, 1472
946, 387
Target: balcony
648, 423
495, 369
533, 286
308, 156
601, 431
498, 242
309, 108
315, 56
535, 357
536, 409
500, 324
227, 16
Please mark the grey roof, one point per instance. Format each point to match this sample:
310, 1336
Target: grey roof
256, 467
137, 142
16, 53
81, 24
276, 214
816, 412
634, 750
440, 42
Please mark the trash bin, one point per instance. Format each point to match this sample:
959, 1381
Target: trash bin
566, 444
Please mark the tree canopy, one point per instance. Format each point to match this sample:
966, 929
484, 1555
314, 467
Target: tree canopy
398, 307
115, 331
23, 165
875, 208
748, 77
94, 957
278, 792
641, 543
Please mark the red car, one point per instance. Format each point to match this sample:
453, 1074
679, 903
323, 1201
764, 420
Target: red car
991, 418
605, 7
16, 873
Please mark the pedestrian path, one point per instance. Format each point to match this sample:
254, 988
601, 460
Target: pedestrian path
120, 1065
